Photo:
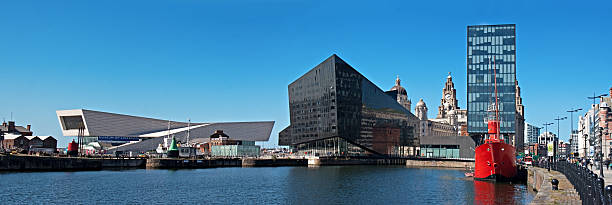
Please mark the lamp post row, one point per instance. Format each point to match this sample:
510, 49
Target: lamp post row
592, 132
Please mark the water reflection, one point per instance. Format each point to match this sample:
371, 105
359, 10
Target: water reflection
500, 193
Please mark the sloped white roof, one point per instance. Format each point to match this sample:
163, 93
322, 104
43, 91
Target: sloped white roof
10, 136
172, 131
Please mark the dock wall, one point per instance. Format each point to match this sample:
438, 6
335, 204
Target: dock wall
36, 163
441, 163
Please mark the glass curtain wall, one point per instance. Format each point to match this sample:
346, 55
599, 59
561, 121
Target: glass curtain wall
488, 44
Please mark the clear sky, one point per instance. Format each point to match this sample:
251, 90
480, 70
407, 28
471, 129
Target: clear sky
232, 60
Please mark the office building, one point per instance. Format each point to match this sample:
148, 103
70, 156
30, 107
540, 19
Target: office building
334, 110
532, 132
491, 51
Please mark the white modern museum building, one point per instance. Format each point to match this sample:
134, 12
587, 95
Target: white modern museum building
118, 132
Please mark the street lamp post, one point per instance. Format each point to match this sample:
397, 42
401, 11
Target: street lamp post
546, 140
572, 126
558, 136
593, 133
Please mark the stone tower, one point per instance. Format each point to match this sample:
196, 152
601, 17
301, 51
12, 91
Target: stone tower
421, 110
402, 95
449, 98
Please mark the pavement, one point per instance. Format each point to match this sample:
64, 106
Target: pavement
565, 195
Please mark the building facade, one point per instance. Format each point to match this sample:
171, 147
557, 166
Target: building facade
532, 132
605, 124
334, 110
449, 111
585, 126
491, 51
574, 142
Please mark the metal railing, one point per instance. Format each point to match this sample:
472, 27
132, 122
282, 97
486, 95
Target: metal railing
589, 186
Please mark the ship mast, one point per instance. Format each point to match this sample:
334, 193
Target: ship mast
496, 100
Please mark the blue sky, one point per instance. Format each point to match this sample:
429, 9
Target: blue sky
232, 60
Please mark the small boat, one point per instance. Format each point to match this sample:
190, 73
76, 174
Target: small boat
469, 174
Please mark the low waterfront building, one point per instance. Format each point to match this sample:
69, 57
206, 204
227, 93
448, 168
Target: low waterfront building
125, 133
15, 142
222, 146
450, 147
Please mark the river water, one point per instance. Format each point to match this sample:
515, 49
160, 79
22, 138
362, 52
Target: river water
278, 185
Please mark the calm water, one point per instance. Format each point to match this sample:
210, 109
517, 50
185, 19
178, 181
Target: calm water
281, 185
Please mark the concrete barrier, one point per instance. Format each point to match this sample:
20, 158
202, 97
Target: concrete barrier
159, 163
441, 163
254, 162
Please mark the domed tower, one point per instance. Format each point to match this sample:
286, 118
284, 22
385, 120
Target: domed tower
402, 95
421, 110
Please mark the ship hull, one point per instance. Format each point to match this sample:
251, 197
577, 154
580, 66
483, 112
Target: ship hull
495, 161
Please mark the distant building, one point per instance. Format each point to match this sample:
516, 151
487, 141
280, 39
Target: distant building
400, 94
605, 122
449, 112
574, 142
532, 133
519, 138
222, 146
11, 128
20, 138
563, 149
15, 142
585, 126
429, 127
336, 111
544, 139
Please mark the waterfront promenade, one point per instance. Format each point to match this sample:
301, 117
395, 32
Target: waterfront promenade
541, 179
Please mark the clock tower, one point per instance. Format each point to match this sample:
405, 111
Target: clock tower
449, 98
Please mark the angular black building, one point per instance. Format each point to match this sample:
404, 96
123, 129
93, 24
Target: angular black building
336, 111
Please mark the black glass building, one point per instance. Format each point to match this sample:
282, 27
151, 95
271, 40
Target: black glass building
488, 45
334, 110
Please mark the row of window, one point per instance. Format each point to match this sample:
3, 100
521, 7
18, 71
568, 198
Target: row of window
488, 69
486, 57
492, 40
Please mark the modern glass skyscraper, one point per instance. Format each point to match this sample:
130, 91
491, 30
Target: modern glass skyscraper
488, 45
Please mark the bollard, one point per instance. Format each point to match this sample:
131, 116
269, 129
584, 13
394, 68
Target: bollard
608, 191
600, 191
555, 184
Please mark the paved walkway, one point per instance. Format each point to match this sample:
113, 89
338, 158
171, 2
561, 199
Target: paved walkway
565, 195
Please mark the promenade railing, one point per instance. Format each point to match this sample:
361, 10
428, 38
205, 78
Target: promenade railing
589, 186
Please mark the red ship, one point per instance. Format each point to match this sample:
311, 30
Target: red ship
495, 159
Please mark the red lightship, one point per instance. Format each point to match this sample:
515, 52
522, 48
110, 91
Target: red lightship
495, 159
